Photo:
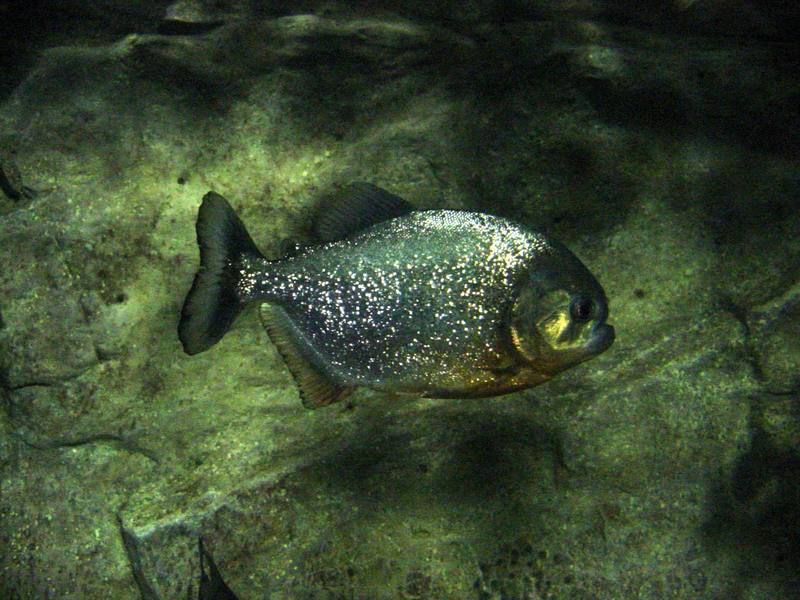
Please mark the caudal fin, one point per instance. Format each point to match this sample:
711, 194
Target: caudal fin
212, 304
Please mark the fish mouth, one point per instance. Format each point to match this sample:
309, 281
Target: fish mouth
601, 339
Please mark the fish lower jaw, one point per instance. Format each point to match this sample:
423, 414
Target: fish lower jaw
603, 336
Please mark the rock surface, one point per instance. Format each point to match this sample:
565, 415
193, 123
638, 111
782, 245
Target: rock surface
659, 143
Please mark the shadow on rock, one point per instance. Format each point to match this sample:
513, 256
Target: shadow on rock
744, 209
745, 97
490, 467
756, 516
497, 458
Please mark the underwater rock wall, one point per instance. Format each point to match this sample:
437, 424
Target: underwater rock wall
660, 144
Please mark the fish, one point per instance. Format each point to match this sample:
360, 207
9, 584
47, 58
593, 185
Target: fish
212, 586
11, 179
427, 303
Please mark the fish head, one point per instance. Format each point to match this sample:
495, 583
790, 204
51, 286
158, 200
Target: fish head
558, 318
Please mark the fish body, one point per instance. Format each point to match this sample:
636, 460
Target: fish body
416, 304
435, 303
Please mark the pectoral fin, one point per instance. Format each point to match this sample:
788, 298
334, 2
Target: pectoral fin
316, 387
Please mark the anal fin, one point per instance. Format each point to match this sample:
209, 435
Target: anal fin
316, 388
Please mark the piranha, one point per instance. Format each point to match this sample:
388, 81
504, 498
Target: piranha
212, 586
432, 303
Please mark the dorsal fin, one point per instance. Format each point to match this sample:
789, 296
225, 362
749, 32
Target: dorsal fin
356, 207
316, 388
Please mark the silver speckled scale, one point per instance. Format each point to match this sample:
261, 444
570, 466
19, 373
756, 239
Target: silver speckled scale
417, 304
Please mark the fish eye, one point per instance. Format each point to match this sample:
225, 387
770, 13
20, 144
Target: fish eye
581, 309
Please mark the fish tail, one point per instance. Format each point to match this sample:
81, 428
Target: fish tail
214, 302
